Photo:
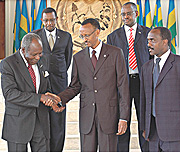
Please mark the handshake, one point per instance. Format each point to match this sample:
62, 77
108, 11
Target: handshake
52, 100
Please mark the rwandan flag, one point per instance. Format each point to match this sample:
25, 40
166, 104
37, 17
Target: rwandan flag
16, 43
24, 25
39, 24
33, 15
147, 16
140, 15
157, 15
171, 25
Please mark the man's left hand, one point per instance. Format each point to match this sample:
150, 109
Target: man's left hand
122, 126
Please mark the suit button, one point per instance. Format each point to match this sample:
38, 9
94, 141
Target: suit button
95, 78
95, 91
93, 104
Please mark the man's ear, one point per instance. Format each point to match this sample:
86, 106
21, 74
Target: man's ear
165, 42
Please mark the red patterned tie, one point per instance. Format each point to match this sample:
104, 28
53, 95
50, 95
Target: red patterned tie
132, 55
94, 58
31, 71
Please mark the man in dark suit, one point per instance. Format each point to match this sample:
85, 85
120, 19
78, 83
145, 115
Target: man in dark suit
134, 46
99, 74
57, 48
160, 97
24, 81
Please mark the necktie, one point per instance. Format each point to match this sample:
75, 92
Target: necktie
51, 41
132, 55
155, 78
33, 77
94, 58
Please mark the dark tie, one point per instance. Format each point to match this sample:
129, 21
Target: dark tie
155, 78
94, 59
33, 77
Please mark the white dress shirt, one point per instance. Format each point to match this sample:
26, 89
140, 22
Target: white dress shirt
53, 33
97, 49
163, 59
127, 31
36, 71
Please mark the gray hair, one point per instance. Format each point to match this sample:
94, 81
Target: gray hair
27, 40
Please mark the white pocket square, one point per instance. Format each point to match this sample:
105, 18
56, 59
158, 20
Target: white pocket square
46, 73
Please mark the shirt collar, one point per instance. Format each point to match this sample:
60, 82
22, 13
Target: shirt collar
163, 57
127, 28
24, 59
97, 49
53, 32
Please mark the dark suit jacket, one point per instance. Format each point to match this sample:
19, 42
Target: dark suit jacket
99, 88
22, 104
118, 38
59, 59
167, 99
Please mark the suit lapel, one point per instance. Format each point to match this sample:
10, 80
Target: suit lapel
167, 66
44, 40
122, 35
24, 70
40, 67
138, 33
102, 57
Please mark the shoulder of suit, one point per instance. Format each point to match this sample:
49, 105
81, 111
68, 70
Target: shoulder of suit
10, 59
36, 31
63, 32
116, 31
144, 28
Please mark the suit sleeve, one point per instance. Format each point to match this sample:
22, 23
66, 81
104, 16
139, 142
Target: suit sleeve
12, 93
74, 87
142, 102
123, 87
68, 52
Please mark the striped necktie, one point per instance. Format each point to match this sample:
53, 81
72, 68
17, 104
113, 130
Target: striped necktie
132, 55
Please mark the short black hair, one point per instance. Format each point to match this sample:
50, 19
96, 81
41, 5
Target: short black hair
93, 22
49, 10
132, 4
165, 33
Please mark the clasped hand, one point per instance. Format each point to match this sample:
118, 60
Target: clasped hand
52, 100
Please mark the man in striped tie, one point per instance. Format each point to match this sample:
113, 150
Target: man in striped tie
132, 39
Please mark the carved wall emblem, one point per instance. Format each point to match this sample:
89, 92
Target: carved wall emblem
72, 13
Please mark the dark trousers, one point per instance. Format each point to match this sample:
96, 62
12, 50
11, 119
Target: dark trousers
157, 145
58, 125
97, 139
38, 143
124, 140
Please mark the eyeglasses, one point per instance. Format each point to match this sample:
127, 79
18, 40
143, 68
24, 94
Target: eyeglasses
51, 20
87, 35
128, 13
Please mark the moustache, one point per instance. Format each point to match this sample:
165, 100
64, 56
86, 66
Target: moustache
150, 48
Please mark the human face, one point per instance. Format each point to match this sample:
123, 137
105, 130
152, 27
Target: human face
89, 35
34, 53
49, 20
129, 15
156, 45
